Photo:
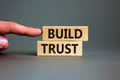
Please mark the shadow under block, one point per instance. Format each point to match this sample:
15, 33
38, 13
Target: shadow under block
65, 33
59, 48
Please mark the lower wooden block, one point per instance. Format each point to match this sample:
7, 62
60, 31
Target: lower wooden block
59, 48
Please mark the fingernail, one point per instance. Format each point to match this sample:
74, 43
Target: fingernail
3, 43
40, 31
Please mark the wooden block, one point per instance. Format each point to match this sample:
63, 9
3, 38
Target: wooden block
59, 48
65, 33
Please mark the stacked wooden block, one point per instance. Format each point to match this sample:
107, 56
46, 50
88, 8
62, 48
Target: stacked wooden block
62, 40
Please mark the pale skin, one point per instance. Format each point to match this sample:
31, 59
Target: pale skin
8, 27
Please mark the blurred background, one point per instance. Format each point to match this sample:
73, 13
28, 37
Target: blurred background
102, 17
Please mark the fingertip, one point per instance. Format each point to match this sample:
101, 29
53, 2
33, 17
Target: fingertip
39, 31
34, 32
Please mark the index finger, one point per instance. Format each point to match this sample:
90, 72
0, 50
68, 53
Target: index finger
15, 28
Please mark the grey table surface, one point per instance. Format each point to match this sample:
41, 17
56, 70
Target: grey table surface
27, 66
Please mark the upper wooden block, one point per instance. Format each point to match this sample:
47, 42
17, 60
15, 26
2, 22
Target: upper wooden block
65, 33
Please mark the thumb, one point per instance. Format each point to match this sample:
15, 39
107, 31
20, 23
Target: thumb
3, 43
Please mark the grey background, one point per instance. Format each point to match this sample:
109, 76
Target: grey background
102, 17
101, 53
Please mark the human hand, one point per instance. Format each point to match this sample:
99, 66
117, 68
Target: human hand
15, 28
